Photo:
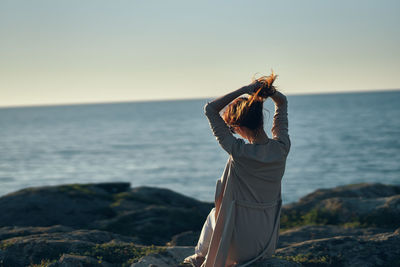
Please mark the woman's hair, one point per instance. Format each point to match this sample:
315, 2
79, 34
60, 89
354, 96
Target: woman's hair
248, 111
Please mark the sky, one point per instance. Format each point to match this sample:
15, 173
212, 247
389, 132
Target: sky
58, 52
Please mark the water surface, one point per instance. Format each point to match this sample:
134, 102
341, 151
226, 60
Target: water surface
336, 139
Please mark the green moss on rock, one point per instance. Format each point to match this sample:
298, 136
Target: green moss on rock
293, 218
76, 188
309, 259
43, 263
120, 253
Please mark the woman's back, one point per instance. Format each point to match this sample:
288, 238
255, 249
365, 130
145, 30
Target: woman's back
248, 221
248, 195
244, 226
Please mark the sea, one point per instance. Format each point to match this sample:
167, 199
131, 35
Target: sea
337, 139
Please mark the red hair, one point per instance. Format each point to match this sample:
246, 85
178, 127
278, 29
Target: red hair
248, 111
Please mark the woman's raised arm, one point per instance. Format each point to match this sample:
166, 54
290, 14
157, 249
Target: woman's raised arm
280, 126
279, 98
218, 126
219, 103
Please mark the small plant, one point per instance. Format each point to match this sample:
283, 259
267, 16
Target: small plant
354, 224
119, 253
5, 244
43, 263
308, 259
313, 217
75, 188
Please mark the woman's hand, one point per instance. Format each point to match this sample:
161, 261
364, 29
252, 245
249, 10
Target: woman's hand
253, 87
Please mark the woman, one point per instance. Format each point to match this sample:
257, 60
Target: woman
244, 225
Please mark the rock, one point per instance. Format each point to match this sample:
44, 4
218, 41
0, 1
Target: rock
275, 262
363, 190
312, 232
153, 215
171, 257
381, 249
368, 247
69, 205
188, 238
366, 205
156, 224
113, 188
2, 257
68, 260
14, 231
105, 225
174, 257
383, 211
49, 245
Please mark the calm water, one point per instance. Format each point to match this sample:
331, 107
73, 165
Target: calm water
336, 139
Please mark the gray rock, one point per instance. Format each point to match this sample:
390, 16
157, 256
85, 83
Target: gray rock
171, 257
68, 260
363, 190
153, 215
15, 231
174, 257
65, 225
312, 232
156, 224
22, 250
69, 205
188, 238
381, 249
275, 262
367, 205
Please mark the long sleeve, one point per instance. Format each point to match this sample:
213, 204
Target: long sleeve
280, 125
221, 131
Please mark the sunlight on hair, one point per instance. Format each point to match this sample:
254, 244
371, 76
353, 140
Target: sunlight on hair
248, 111
266, 85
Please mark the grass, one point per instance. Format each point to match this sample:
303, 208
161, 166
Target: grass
117, 198
83, 191
309, 259
377, 217
5, 244
120, 253
327, 217
43, 263
313, 217
76, 188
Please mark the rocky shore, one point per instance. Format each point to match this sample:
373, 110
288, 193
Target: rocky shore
111, 224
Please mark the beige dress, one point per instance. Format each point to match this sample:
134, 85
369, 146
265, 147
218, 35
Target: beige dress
248, 195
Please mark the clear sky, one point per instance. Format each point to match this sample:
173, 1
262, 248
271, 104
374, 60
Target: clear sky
76, 51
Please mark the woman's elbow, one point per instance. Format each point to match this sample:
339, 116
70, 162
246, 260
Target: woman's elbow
206, 107
209, 109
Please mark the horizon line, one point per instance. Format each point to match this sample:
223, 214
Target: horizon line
188, 99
